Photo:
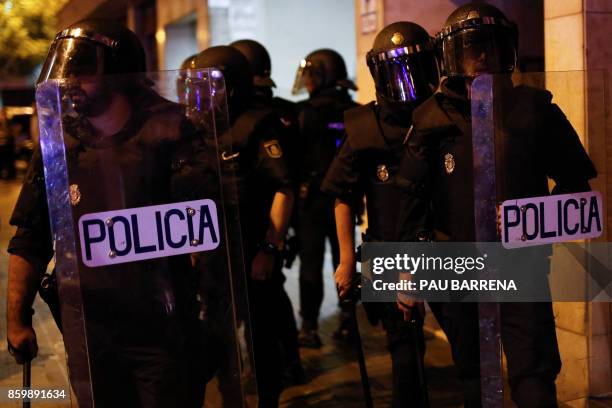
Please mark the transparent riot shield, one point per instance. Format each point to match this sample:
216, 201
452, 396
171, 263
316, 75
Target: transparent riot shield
147, 240
540, 187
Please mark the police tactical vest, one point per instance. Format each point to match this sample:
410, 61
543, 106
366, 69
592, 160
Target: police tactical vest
325, 114
370, 137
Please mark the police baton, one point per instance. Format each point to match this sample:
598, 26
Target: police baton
27, 378
27, 371
415, 328
351, 302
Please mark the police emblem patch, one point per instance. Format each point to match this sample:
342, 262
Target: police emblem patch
382, 172
75, 194
273, 149
449, 163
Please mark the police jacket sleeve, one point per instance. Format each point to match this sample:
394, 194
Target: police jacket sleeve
32, 240
271, 162
415, 181
342, 179
566, 160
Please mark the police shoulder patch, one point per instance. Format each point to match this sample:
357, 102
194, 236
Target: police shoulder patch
273, 149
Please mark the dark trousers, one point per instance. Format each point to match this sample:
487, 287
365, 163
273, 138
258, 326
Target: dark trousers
460, 324
287, 330
459, 321
402, 338
266, 347
216, 356
274, 335
134, 376
530, 344
316, 222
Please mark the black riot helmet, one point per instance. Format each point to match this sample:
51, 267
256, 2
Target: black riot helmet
85, 51
478, 38
189, 62
403, 63
236, 71
322, 69
93, 47
259, 59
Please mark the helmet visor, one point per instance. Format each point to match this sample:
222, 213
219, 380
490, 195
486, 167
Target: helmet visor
302, 76
74, 57
475, 51
406, 77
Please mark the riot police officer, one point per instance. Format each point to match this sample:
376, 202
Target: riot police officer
264, 99
261, 65
265, 192
133, 336
404, 68
436, 173
323, 74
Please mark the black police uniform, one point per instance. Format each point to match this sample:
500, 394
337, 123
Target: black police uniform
257, 160
540, 143
286, 129
367, 164
261, 171
138, 346
321, 130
